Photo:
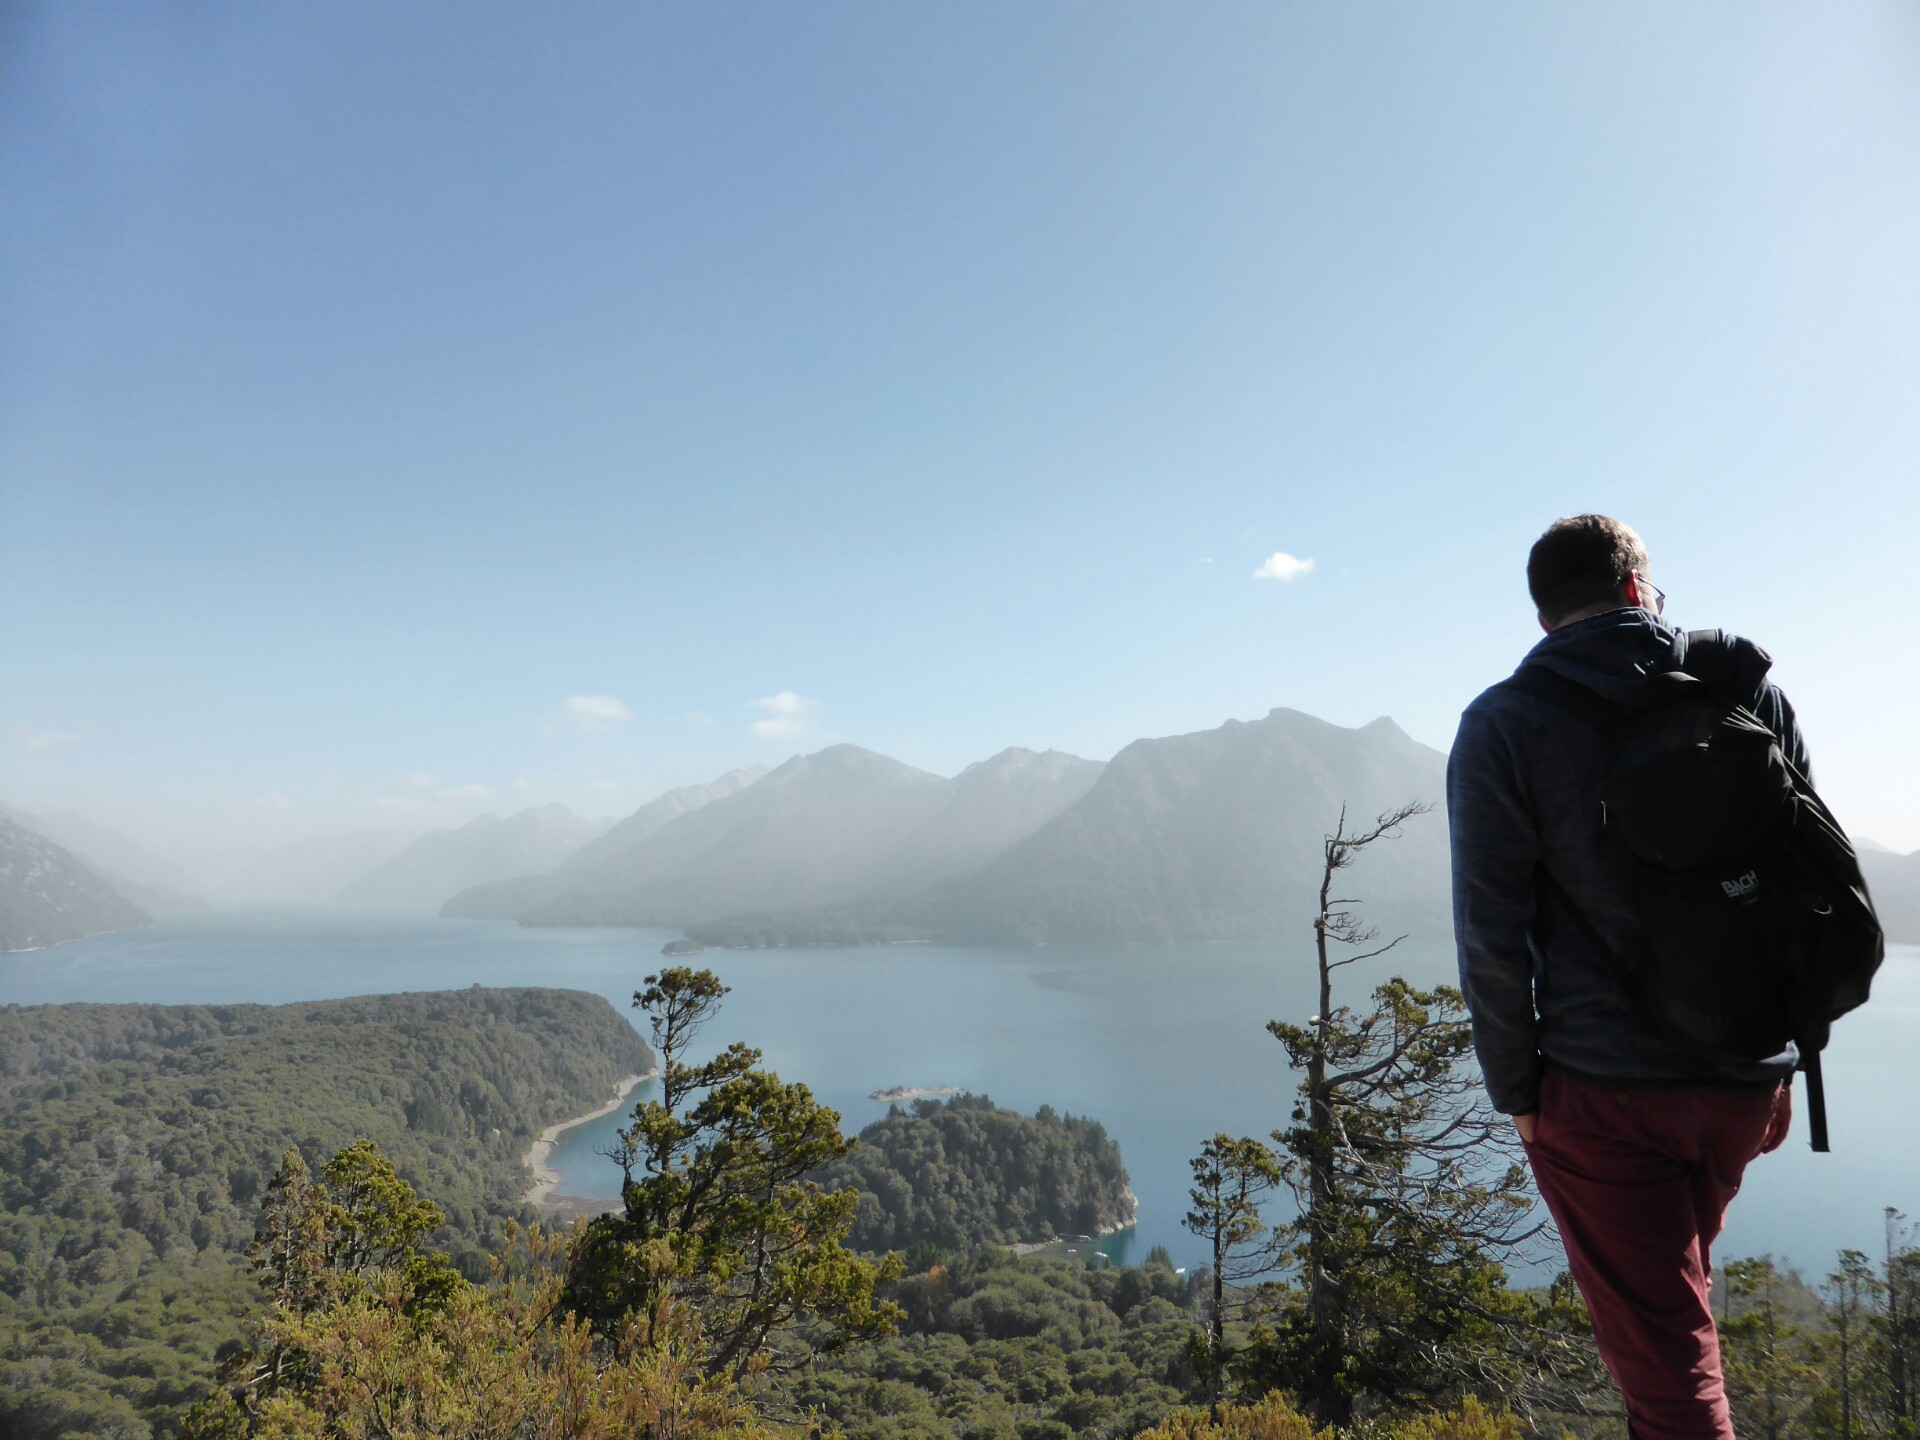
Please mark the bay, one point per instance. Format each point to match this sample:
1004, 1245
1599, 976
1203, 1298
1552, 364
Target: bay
1163, 1045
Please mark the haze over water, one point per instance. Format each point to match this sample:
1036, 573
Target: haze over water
1165, 1046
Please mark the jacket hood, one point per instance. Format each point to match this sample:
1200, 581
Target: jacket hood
1612, 654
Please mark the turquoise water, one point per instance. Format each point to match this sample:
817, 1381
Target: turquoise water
1164, 1045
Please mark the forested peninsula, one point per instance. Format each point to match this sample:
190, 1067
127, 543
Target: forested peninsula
961, 1173
136, 1142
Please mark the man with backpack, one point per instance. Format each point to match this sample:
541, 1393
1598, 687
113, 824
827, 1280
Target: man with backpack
1657, 920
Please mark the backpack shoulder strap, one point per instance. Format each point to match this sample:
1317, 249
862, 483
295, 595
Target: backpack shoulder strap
1735, 667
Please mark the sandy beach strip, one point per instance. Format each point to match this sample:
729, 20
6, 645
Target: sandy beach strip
546, 1179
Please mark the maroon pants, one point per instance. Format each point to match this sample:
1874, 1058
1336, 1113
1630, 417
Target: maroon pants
1637, 1180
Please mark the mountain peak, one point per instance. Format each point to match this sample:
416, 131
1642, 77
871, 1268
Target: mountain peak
851, 760
1017, 763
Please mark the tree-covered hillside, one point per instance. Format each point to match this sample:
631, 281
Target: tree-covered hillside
136, 1142
999, 1347
962, 1173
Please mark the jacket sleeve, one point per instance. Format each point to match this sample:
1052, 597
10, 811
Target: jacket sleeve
1495, 850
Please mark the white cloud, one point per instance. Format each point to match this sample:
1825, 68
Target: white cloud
521, 782
786, 714
42, 739
591, 714
475, 791
420, 781
1283, 567
698, 720
273, 800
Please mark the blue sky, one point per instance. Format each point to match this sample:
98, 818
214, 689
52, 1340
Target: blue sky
376, 379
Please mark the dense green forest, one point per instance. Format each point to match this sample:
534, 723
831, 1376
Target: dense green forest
136, 1142
962, 1173
161, 1241
1000, 1347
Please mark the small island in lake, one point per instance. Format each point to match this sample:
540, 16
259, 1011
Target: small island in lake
915, 1092
683, 947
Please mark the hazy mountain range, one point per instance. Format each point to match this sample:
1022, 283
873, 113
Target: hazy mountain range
442, 863
1216, 835
314, 870
47, 896
824, 830
1894, 881
152, 882
1209, 836
510, 898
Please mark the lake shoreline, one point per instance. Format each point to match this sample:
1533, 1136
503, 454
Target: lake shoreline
95, 935
546, 1179
1041, 1247
1163, 1046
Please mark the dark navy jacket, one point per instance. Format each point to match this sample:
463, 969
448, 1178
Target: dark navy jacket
1523, 791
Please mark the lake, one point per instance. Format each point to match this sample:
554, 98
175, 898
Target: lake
1165, 1046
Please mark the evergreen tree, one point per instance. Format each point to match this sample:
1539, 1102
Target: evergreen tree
495, 1361
289, 1250
718, 1207
1851, 1293
1900, 1326
1770, 1378
1230, 1180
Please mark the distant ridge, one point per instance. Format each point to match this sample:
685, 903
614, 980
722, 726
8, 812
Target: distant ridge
508, 898
442, 863
811, 832
606, 853
1209, 836
152, 882
47, 897
1215, 835
826, 830
314, 870
1894, 882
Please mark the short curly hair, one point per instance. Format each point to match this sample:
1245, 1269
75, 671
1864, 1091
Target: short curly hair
1581, 561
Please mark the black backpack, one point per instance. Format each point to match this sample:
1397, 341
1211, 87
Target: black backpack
1755, 926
